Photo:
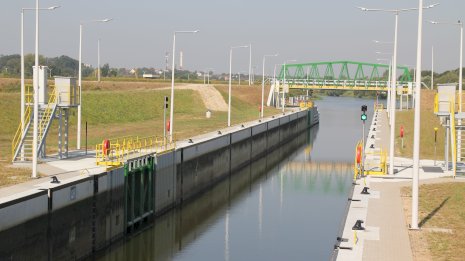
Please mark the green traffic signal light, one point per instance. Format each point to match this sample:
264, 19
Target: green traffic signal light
364, 117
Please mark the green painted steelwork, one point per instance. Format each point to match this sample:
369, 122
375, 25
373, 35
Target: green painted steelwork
138, 183
347, 73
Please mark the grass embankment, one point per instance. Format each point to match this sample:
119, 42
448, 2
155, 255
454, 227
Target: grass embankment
115, 109
442, 219
427, 124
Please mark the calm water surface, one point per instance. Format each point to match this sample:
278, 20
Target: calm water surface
292, 211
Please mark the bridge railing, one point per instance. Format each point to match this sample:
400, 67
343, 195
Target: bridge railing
346, 84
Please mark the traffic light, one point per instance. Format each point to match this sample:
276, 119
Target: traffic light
364, 109
166, 102
364, 116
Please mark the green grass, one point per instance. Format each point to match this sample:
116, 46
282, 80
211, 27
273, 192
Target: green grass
427, 124
441, 206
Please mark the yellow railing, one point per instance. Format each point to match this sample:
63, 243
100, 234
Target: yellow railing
454, 138
378, 107
29, 99
382, 163
358, 166
362, 170
47, 114
436, 103
20, 131
114, 156
306, 104
457, 102
121, 149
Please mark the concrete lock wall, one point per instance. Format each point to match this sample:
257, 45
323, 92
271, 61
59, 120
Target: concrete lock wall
23, 223
66, 221
74, 219
71, 219
109, 203
165, 182
201, 165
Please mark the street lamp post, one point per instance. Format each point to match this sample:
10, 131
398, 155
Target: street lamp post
263, 81
389, 79
98, 60
416, 127
432, 67
172, 80
78, 142
208, 75
23, 99
230, 75
394, 77
250, 64
36, 97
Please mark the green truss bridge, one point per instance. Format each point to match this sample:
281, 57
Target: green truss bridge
341, 75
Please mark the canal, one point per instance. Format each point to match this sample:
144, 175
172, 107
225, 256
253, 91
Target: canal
291, 211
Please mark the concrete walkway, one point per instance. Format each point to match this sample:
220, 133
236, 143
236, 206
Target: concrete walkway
385, 236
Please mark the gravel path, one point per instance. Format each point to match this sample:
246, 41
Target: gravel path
211, 97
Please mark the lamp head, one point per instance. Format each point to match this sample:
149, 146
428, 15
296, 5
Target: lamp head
431, 6
362, 8
53, 7
433, 22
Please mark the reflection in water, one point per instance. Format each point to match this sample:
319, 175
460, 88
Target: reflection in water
226, 236
301, 190
260, 211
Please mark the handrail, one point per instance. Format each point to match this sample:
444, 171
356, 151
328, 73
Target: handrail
358, 166
121, 149
20, 132
436, 103
47, 114
454, 138
382, 163
306, 104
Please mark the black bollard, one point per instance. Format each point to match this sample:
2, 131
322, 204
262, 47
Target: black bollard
358, 225
365, 191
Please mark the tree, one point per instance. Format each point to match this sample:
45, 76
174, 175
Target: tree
105, 70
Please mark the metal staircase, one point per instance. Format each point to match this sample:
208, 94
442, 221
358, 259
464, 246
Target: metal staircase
22, 143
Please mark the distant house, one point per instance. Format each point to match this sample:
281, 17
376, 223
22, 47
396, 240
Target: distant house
150, 76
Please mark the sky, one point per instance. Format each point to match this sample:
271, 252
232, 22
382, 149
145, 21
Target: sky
141, 31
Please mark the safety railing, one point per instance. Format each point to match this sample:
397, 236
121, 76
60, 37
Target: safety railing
355, 84
47, 114
459, 102
29, 93
453, 138
379, 168
116, 151
436, 103
378, 107
358, 160
306, 104
20, 132
111, 156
